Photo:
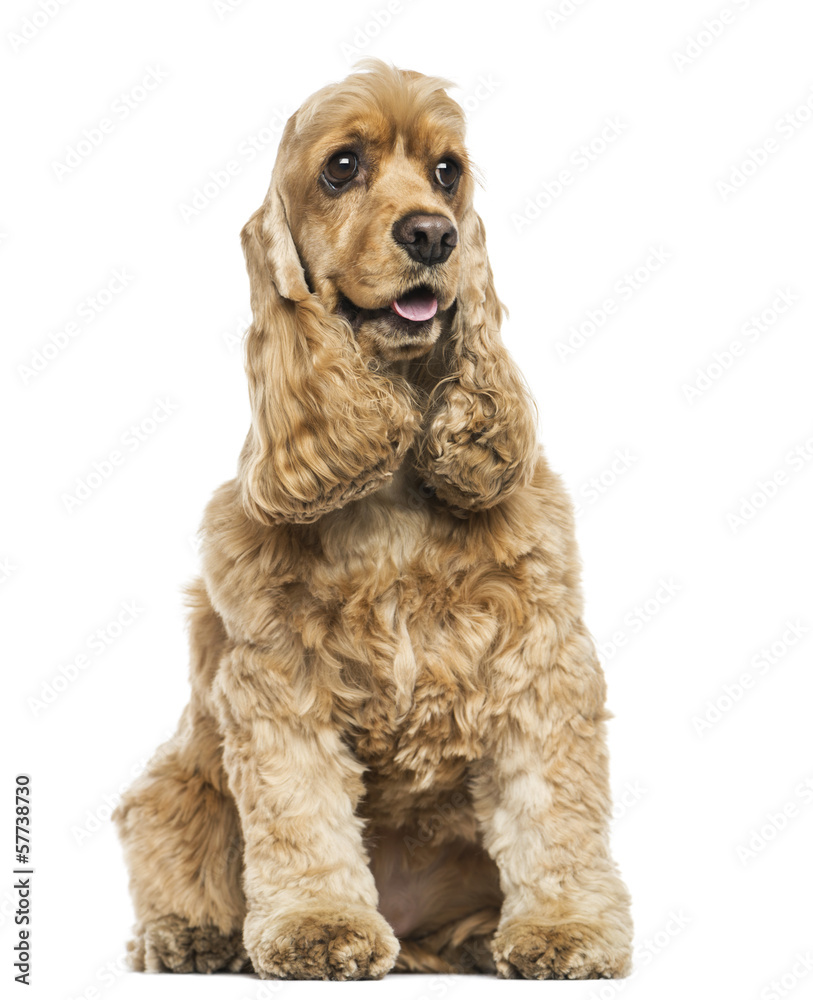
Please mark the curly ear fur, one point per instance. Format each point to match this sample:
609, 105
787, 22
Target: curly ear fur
479, 439
326, 428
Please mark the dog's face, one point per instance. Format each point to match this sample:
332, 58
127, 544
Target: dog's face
374, 183
366, 253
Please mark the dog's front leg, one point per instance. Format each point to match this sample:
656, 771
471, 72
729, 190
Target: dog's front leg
311, 898
543, 803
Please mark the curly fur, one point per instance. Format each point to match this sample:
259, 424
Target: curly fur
394, 753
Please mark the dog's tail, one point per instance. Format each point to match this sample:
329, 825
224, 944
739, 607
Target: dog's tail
463, 946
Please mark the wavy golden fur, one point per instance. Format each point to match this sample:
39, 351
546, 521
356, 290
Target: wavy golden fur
394, 752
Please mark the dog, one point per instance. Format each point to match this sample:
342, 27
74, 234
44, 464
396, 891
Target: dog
394, 755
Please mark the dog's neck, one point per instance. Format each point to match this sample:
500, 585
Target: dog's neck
399, 368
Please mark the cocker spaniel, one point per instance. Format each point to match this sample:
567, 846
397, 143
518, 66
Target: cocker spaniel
394, 754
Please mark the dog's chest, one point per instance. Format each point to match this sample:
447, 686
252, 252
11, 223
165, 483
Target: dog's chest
417, 695
408, 633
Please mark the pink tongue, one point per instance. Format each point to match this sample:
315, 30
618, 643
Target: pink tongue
417, 306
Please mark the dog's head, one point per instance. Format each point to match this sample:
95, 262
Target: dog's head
367, 255
368, 207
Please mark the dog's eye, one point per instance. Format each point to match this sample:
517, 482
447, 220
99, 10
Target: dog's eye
341, 168
447, 172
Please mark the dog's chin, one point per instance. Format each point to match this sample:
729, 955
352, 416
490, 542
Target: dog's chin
385, 334
393, 338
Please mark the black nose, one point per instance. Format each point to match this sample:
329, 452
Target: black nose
429, 239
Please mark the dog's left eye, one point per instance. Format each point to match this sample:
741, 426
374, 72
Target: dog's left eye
341, 168
447, 172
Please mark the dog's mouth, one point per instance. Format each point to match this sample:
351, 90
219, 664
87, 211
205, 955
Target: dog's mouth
417, 306
410, 315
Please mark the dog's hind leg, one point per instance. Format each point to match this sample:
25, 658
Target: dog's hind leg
182, 838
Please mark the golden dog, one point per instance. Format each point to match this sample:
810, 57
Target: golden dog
394, 754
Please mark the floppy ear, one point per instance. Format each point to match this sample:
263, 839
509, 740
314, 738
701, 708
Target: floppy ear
325, 428
479, 441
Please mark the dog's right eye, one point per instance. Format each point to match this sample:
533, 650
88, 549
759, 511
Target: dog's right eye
341, 168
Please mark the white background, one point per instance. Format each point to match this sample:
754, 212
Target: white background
711, 920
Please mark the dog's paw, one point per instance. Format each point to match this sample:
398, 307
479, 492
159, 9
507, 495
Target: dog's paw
170, 944
471, 458
527, 950
352, 943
